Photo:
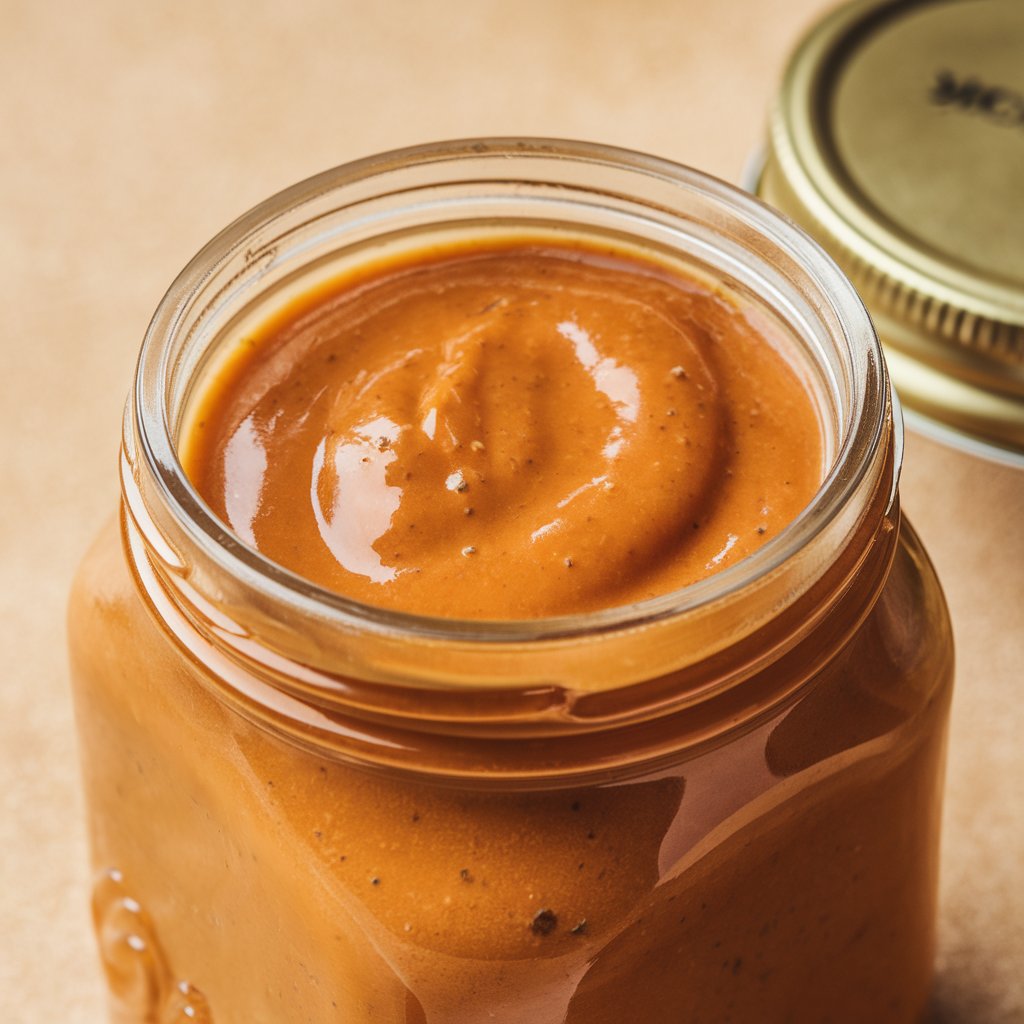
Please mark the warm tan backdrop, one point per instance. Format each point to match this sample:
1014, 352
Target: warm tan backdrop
132, 132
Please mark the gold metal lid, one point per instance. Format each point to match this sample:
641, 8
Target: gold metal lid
898, 142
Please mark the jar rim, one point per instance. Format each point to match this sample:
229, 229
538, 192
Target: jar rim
151, 447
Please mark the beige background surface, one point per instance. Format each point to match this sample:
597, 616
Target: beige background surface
132, 132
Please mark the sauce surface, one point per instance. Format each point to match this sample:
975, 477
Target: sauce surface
509, 431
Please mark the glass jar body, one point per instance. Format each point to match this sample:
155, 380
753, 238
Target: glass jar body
786, 871
716, 804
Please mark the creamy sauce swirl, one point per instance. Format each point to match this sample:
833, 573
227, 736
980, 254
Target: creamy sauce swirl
511, 431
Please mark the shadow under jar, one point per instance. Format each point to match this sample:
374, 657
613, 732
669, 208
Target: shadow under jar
721, 804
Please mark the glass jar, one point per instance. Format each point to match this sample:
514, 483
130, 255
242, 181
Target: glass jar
719, 804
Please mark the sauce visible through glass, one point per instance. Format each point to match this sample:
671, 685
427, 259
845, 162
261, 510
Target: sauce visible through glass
509, 431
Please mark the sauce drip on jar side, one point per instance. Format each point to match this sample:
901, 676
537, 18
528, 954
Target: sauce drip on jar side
508, 431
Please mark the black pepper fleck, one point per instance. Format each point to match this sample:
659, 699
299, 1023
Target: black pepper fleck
544, 922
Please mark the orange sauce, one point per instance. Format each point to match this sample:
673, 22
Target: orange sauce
509, 431
506, 431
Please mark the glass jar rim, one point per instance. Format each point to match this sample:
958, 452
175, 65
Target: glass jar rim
150, 436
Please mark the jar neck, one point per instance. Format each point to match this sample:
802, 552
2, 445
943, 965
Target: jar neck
625, 686
505, 732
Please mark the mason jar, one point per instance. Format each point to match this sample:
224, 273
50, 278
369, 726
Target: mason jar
718, 804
